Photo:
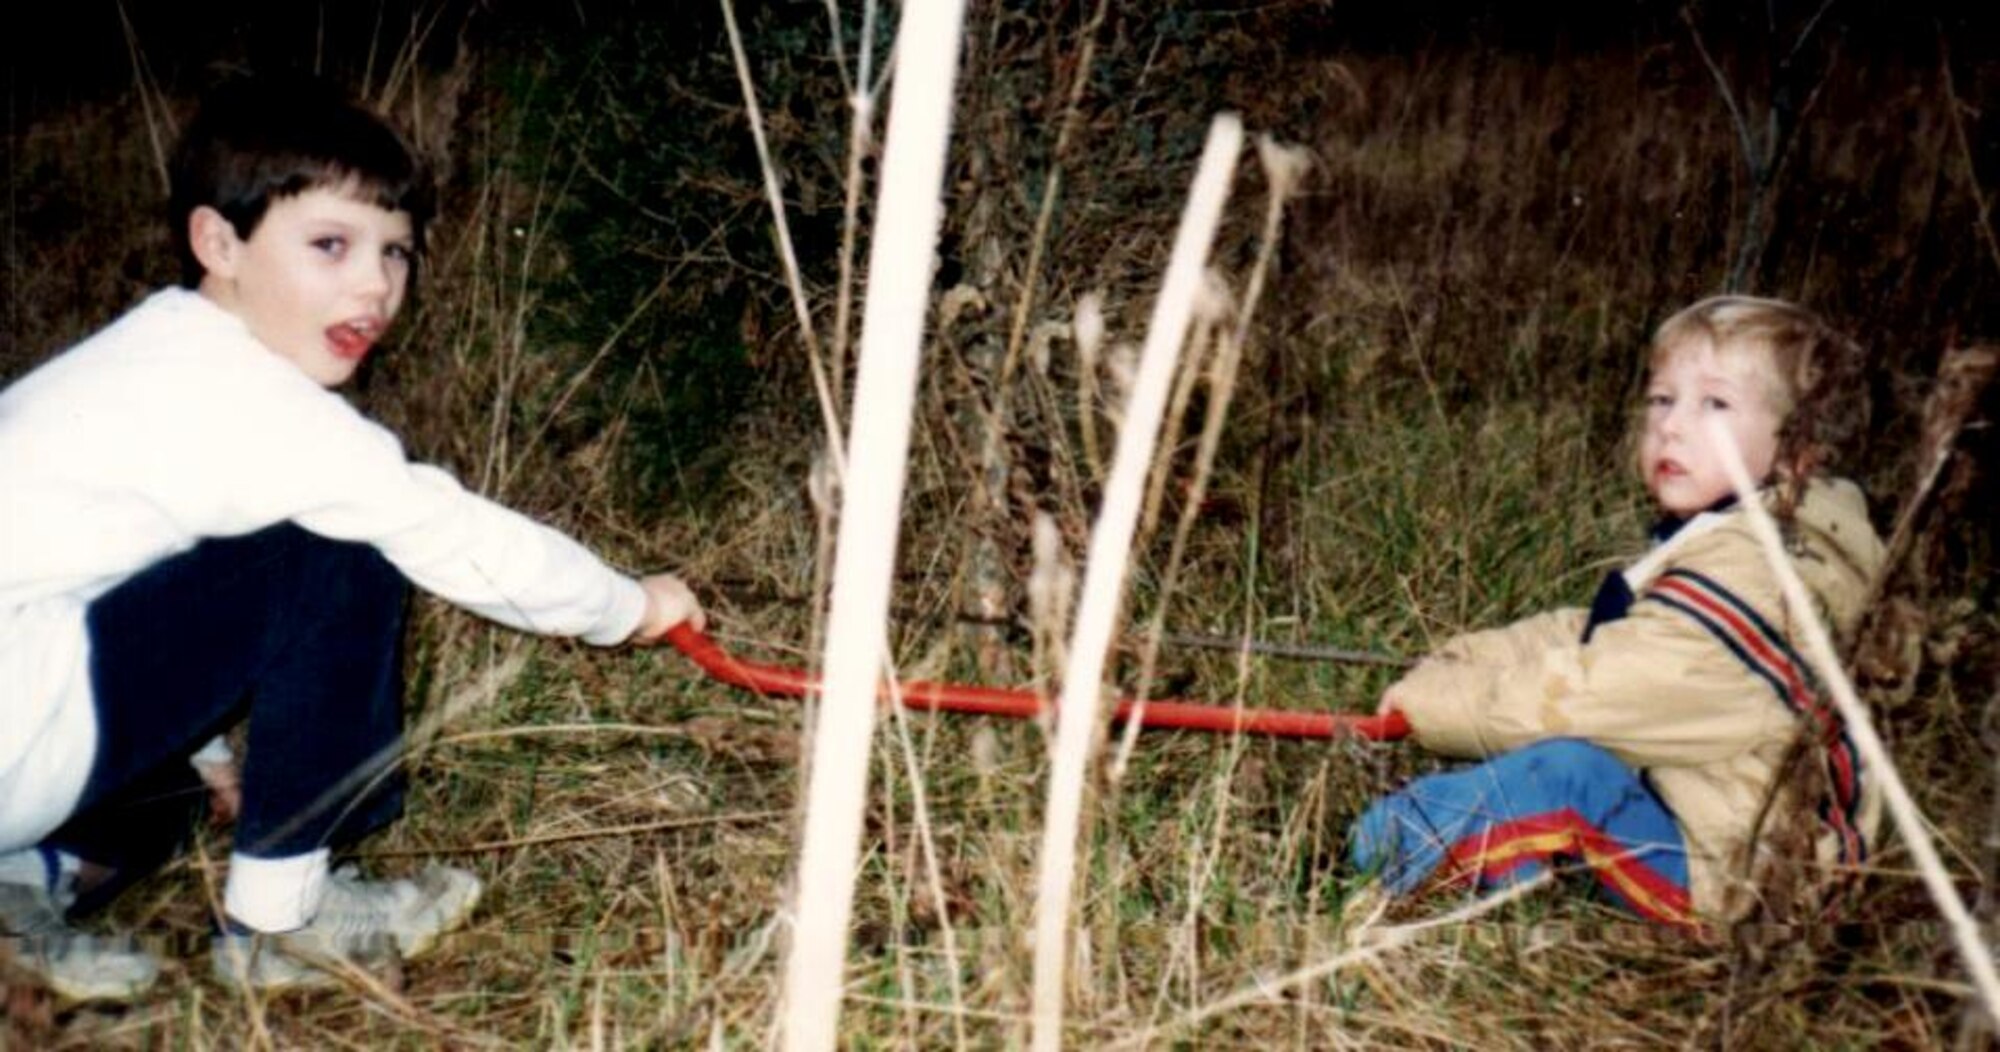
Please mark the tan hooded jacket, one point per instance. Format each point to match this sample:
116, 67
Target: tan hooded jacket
1699, 685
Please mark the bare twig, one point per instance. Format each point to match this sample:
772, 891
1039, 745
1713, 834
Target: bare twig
829, 411
927, 845
1024, 307
1745, 140
1293, 651
860, 130
592, 833
1765, 153
403, 65
1956, 109
149, 103
1372, 943
1806, 32
1962, 376
839, 52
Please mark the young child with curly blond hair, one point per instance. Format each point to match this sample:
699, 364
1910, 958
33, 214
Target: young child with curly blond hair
1640, 739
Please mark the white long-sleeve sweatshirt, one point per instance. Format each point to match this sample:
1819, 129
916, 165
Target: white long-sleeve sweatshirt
174, 424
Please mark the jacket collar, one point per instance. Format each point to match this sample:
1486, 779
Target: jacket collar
1663, 529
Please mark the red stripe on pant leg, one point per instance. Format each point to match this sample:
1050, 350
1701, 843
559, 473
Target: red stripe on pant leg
1500, 849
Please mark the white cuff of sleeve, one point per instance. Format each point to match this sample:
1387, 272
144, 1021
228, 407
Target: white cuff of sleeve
275, 894
215, 754
628, 608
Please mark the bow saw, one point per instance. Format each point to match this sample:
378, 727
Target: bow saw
1016, 703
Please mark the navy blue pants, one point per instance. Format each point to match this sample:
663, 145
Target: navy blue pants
299, 634
1513, 816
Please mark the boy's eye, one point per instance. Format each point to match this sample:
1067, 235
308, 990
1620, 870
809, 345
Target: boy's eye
1714, 404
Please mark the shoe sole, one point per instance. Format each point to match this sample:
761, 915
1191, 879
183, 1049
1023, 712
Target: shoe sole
242, 968
42, 972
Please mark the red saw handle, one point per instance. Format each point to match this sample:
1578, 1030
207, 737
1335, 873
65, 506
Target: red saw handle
780, 681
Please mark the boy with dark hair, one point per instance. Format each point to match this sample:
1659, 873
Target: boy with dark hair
197, 530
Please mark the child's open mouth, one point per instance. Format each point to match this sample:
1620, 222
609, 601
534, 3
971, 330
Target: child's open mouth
352, 339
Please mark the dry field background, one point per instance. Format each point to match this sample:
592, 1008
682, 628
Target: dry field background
1425, 435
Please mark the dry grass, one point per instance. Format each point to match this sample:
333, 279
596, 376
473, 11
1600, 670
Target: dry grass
1424, 437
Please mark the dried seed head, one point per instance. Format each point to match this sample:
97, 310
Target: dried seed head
1284, 166
1121, 368
1051, 583
1089, 327
956, 302
823, 484
1038, 344
985, 751
1213, 300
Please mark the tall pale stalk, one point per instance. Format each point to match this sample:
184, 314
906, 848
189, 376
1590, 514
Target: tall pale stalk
1104, 577
899, 269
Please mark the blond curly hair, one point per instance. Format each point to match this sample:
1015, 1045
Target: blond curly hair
1810, 371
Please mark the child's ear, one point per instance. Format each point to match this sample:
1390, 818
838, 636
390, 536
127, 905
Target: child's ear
213, 240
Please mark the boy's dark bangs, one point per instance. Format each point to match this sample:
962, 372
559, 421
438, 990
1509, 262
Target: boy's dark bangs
344, 147
394, 186
263, 140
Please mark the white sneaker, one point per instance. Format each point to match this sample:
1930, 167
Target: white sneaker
368, 923
76, 965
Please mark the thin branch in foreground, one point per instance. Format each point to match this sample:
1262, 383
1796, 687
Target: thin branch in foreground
828, 410
1910, 822
1077, 719
927, 848
1371, 943
861, 95
626, 831
899, 268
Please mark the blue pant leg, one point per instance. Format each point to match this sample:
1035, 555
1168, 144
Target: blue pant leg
300, 633
1508, 818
